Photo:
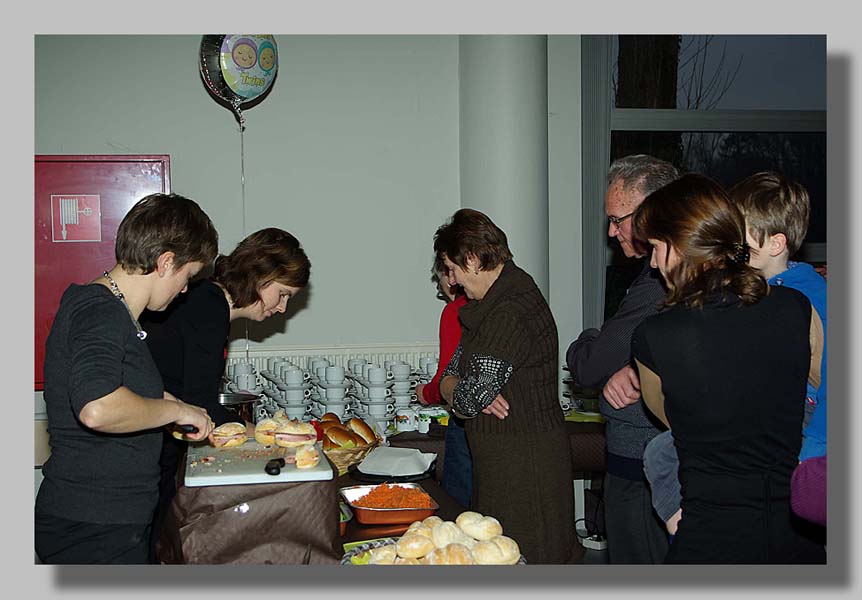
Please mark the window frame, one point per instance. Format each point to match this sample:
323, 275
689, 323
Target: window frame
601, 117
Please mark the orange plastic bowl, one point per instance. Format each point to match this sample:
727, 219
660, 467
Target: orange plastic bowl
385, 516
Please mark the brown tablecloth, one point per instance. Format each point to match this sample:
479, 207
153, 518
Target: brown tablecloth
279, 523
264, 523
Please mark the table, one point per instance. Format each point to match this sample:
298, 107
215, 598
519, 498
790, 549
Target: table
263, 523
296, 523
433, 441
277, 523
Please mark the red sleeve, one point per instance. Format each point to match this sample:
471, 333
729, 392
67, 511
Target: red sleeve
450, 335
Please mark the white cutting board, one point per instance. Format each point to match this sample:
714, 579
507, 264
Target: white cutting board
245, 464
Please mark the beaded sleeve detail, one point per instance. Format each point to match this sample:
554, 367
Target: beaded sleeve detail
486, 376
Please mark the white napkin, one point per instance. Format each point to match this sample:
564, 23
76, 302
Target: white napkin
385, 460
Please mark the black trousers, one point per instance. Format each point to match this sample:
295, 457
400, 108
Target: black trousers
173, 451
62, 541
636, 534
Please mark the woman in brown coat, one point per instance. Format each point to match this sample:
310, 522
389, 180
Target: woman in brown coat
503, 380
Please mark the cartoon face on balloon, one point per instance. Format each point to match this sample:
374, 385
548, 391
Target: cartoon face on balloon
244, 53
267, 56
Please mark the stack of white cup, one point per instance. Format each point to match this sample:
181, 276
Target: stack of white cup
403, 384
334, 384
376, 400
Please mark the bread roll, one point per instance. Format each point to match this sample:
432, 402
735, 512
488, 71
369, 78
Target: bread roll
465, 540
445, 533
413, 545
499, 550
294, 433
330, 416
341, 436
419, 528
263, 431
432, 521
384, 555
307, 456
229, 435
478, 526
406, 561
451, 554
326, 425
362, 429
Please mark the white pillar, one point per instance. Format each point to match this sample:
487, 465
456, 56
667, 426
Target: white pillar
504, 141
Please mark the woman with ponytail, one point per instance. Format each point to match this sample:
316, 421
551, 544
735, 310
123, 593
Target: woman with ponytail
725, 366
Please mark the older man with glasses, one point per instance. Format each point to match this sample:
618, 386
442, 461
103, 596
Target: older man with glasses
601, 358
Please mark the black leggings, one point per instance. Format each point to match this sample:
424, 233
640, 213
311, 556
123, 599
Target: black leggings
61, 541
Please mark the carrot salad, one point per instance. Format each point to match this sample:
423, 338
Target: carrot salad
394, 496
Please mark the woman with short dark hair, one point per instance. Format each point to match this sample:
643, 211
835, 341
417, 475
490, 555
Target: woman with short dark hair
503, 380
104, 396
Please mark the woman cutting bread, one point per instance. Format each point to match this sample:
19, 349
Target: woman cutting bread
104, 395
503, 380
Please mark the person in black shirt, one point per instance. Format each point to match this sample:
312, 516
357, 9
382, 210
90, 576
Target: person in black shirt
104, 395
724, 367
188, 342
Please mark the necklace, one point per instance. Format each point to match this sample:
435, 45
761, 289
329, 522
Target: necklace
115, 289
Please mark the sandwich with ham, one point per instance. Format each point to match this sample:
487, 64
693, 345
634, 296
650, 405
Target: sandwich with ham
307, 456
294, 433
264, 431
228, 435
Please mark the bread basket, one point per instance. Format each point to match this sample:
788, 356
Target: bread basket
342, 458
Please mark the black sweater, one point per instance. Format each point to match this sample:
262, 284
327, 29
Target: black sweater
91, 476
188, 344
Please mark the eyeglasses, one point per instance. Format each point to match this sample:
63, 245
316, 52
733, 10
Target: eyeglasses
617, 220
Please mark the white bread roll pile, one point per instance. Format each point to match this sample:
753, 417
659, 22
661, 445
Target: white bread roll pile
472, 539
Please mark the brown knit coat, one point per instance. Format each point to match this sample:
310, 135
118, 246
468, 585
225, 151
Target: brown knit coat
521, 464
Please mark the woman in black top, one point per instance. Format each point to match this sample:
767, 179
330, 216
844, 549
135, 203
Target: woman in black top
188, 341
725, 367
104, 395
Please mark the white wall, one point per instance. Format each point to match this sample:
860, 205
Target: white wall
354, 151
565, 237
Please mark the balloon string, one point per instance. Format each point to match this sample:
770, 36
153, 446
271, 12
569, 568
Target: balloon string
242, 186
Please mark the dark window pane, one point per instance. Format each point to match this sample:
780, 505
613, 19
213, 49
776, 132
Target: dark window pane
730, 157
743, 72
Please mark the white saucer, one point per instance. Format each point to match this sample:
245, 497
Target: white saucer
234, 388
284, 404
370, 384
284, 387
335, 386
